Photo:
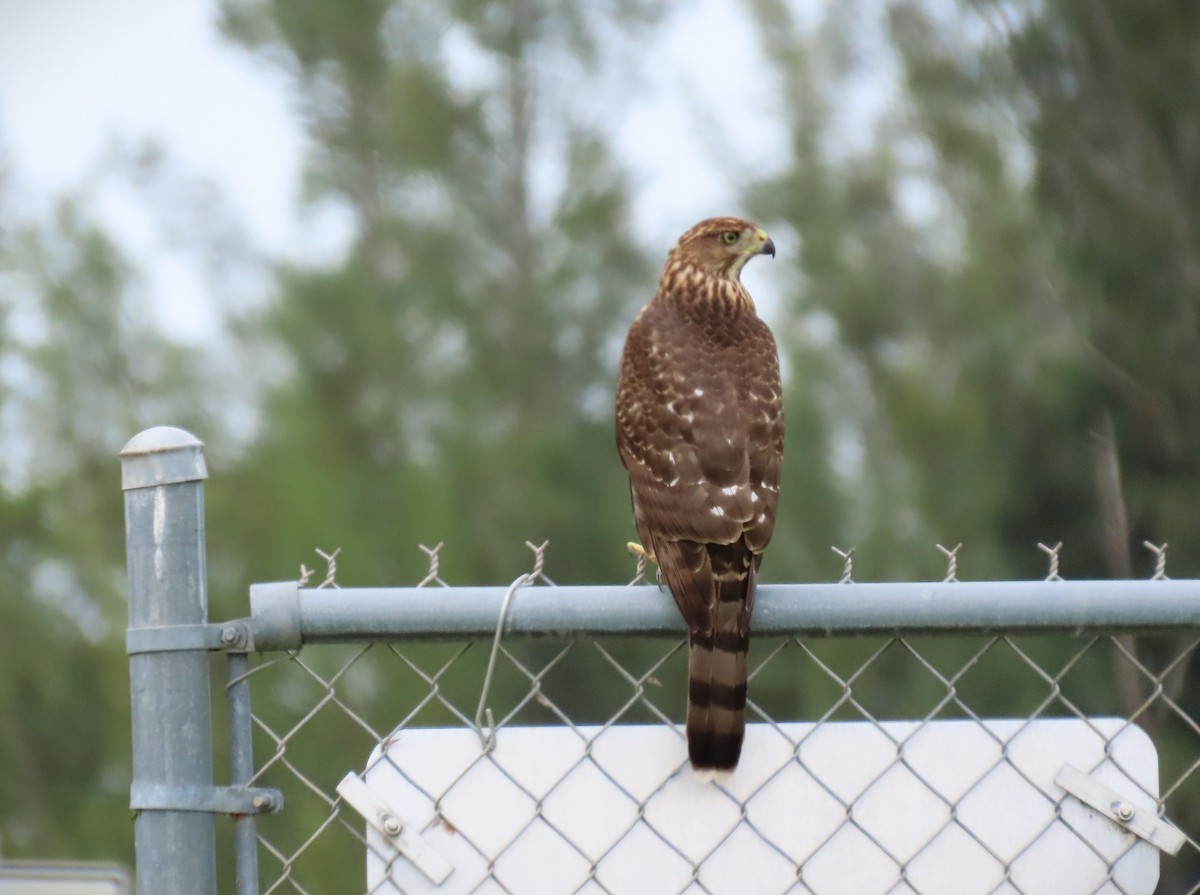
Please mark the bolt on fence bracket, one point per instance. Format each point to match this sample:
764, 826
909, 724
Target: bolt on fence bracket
230, 636
209, 799
393, 828
1141, 822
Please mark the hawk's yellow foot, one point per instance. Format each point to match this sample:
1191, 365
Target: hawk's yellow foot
638, 550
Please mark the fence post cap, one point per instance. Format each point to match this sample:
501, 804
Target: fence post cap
163, 455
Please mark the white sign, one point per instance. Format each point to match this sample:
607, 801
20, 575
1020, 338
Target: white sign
847, 808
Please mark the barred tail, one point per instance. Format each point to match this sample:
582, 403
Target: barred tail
716, 712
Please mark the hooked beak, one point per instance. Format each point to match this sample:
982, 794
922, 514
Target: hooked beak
767, 245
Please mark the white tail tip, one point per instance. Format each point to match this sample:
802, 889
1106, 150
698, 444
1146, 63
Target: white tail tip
712, 775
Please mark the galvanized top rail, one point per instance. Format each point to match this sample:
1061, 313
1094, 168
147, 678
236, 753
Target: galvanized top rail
286, 616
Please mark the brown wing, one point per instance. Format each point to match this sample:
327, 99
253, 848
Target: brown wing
700, 430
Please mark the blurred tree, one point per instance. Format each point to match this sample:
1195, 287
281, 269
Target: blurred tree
1112, 95
449, 377
965, 302
81, 368
921, 326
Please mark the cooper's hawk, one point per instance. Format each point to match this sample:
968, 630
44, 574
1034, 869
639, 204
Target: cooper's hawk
700, 430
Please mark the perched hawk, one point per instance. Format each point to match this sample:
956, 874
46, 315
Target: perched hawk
700, 430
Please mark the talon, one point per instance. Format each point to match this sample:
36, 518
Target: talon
638, 550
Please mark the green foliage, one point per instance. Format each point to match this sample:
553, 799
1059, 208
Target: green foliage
80, 369
1114, 88
936, 301
450, 374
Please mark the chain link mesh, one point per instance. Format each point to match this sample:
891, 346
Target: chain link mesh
351, 700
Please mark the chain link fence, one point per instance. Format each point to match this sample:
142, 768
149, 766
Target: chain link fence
355, 702
1038, 738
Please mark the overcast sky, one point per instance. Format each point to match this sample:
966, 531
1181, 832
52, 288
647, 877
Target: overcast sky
78, 76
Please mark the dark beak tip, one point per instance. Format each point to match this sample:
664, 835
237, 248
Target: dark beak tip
768, 248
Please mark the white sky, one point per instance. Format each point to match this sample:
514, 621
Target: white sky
77, 76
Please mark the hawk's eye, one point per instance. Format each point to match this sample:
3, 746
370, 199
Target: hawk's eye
729, 237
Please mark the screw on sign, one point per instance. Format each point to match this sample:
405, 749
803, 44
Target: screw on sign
391, 825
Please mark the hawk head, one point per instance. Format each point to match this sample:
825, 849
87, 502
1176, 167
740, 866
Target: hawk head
721, 247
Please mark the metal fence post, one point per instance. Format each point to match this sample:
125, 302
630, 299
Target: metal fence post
162, 474
241, 769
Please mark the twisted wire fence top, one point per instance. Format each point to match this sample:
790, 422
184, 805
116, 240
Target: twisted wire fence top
325, 710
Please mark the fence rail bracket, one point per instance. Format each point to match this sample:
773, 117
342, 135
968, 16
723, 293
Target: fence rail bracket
208, 799
231, 636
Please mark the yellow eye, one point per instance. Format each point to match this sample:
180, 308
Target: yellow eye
729, 237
